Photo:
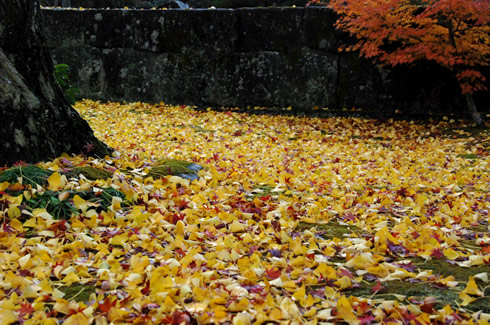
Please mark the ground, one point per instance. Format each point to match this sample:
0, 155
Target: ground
292, 220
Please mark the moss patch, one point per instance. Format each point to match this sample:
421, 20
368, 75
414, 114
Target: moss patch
330, 230
262, 190
443, 268
474, 137
78, 292
417, 292
468, 155
200, 129
466, 132
90, 173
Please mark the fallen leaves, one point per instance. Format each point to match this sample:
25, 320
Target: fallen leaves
292, 220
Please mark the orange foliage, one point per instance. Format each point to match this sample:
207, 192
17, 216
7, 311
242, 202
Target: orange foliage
452, 33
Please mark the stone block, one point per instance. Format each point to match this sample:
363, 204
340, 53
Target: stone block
110, 28
268, 29
64, 28
362, 85
207, 33
318, 30
312, 79
245, 78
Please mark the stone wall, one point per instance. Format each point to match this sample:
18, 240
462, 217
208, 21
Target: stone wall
235, 57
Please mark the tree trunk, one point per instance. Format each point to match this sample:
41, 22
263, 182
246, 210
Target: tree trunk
468, 96
37, 123
473, 112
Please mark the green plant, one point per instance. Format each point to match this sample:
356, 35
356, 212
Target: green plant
63, 209
62, 76
59, 209
103, 198
31, 175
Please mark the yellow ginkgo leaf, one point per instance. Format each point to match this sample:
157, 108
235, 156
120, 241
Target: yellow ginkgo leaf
451, 254
345, 311
70, 278
472, 288
180, 228
4, 185
17, 225
56, 181
77, 319
237, 226
119, 240
300, 294
242, 318
168, 303
8, 316
80, 203
241, 305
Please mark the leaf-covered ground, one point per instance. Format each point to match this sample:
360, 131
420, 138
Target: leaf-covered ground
292, 220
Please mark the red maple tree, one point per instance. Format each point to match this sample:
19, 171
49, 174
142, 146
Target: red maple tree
453, 33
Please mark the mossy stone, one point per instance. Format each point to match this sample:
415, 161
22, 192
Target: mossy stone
167, 167
90, 173
78, 292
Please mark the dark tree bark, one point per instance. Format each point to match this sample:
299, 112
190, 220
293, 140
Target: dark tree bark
36, 122
473, 112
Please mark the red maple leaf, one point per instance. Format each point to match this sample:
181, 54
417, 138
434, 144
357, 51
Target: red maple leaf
179, 317
377, 287
273, 273
437, 253
437, 237
276, 225
485, 250
146, 289
407, 266
177, 216
428, 305
402, 192
7, 229
59, 226
366, 320
349, 216
89, 147
107, 304
345, 272
409, 318
26, 273
25, 309
20, 163
252, 250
